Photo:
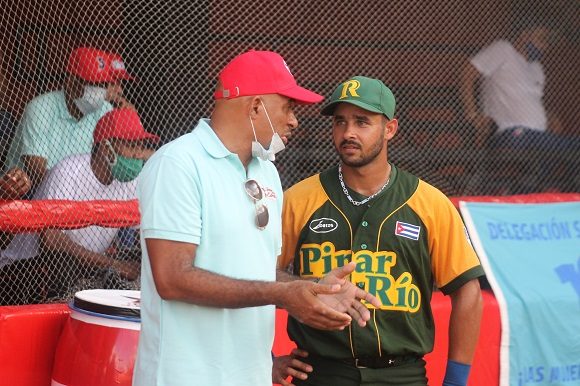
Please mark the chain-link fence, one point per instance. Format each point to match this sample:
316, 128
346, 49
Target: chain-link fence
459, 127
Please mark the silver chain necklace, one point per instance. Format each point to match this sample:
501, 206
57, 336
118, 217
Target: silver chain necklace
345, 190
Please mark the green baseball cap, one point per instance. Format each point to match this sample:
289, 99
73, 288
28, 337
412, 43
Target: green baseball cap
367, 93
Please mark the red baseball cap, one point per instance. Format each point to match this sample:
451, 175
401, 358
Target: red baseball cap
94, 65
261, 72
89, 64
121, 123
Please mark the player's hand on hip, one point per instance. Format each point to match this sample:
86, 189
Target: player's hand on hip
301, 298
290, 365
348, 299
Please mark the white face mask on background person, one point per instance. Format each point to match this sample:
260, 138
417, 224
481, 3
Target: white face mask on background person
93, 99
276, 143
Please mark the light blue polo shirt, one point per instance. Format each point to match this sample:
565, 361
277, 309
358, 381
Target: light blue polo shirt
48, 130
192, 190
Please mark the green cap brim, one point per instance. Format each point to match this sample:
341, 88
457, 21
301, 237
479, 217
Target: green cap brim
329, 108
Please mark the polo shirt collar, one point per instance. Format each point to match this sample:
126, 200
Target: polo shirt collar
63, 108
210, 141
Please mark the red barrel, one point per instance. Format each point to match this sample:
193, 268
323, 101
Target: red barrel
98, 345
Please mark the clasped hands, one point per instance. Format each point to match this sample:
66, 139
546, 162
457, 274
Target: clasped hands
332, 303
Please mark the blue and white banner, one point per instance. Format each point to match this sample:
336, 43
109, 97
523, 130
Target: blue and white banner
531, 255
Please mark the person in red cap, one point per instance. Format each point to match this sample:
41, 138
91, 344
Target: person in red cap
211, 205
60, 123
108, 172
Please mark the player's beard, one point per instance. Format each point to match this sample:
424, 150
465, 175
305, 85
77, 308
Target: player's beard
365, 157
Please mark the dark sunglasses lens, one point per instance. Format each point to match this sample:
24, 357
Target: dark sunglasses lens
262, 216
253, 189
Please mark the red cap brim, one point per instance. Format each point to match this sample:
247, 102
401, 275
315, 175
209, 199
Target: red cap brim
124, 75
154, 138
301, 95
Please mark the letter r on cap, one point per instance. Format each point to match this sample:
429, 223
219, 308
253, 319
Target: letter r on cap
350, 87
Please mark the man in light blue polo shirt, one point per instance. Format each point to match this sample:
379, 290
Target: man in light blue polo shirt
61, 123
211, 232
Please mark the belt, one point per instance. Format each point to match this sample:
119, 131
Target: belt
377, 362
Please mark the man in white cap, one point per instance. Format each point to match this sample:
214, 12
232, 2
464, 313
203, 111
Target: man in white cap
61, 123
211, 232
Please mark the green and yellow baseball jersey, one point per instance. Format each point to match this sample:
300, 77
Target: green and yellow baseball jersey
404, 241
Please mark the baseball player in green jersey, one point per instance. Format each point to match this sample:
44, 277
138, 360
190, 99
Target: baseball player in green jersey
405, 237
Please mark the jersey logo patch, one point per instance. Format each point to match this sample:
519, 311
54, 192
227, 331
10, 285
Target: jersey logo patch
409, 231
323, 225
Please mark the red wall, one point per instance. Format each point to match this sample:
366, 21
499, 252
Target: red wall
29, 335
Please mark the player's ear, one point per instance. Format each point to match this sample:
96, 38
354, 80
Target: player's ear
391, 127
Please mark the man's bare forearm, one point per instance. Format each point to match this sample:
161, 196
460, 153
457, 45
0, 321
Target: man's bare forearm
57, 241
467, 307
199, 286
469, 77
177, 278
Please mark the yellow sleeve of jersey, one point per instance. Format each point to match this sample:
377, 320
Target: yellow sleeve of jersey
450, 249
300, 202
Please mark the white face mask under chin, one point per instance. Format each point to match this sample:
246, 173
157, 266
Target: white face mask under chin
276, 144
92, 99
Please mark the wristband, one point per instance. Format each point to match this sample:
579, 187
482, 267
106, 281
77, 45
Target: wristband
456, 374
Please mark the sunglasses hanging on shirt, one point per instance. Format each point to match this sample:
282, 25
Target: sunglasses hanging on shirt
256, 193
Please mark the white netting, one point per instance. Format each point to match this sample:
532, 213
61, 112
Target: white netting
176, 48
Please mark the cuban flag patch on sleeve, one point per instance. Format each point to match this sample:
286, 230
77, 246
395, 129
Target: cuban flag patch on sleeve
409, 231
